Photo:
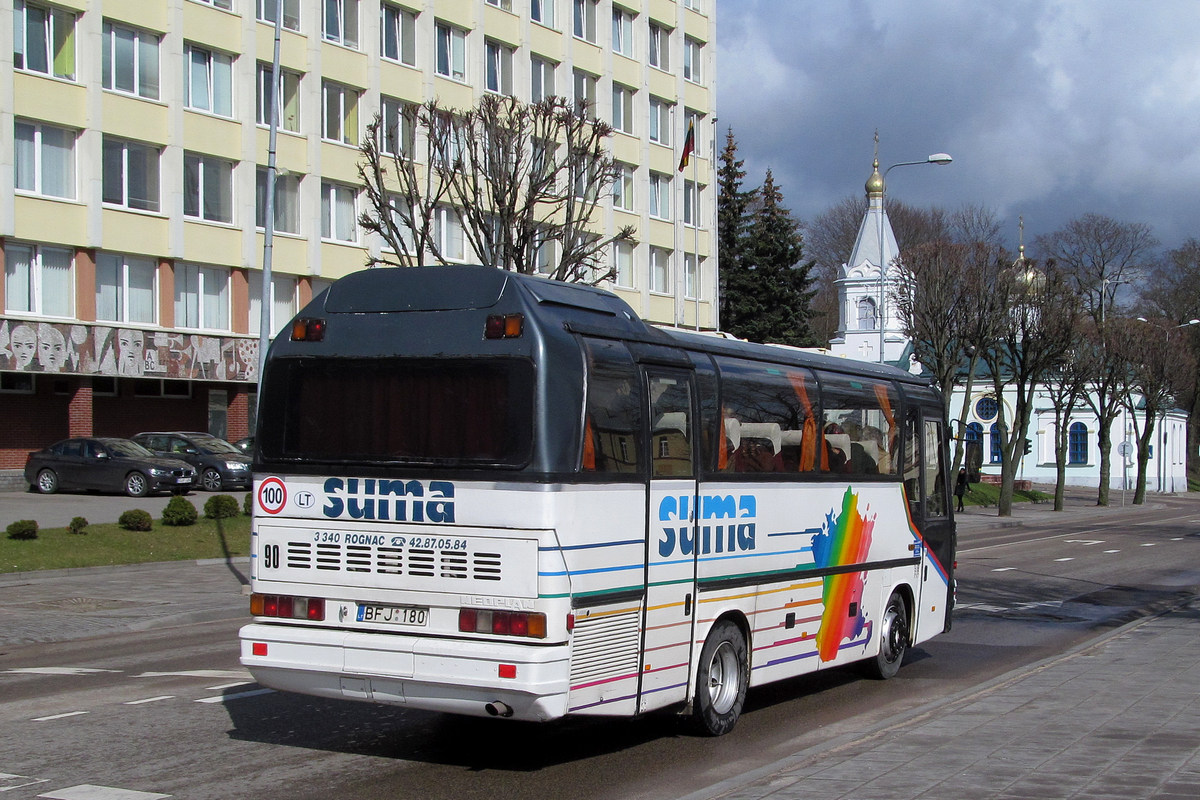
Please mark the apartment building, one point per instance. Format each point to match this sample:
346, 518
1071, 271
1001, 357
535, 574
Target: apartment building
133, 234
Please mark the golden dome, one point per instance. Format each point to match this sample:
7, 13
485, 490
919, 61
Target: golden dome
875, 182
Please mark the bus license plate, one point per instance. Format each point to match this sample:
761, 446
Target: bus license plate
411, 616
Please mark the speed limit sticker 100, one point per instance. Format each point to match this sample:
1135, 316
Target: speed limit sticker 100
272, 495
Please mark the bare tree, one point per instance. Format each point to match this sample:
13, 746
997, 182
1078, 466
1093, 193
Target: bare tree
1066, 386
516, 176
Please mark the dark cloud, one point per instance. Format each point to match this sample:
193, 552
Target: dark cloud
1051, 108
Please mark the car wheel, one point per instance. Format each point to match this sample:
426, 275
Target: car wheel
47, 481
893, 638
722, 681
136, 485
211, 479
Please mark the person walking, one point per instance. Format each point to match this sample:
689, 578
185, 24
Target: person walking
960, 487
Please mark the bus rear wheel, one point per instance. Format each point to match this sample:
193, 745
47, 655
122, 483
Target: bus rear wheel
893, 638
722, 680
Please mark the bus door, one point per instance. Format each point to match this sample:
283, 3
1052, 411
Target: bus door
926, 484
670, 604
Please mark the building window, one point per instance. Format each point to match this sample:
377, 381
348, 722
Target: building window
38, 280
267, 10
207, 188
691, 203
44, 159
622, 113
287, 201
542, 12
691, 60
1077, 443
691, 277
622, 32
396, 132
660, 270
43, 40
208, 81
660, 121
201, 297
448, 234
660, 196
623, 188
282, 302
125, 289
340, 113
499, 59
867, 319
584, 20
660, 47
130, 61
506, 5
997, 444
585, 93
986, 408
398, 34
338, 214
341, 22
542, 78
694, 5
543, 253
288, 106
399, 208
130, 174
223, 4
623, 264
451, 52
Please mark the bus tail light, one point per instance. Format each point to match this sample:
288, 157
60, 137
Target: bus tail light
286, 607
308, 330
504, 326
502, 623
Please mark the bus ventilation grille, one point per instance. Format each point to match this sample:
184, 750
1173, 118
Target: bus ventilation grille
605, 646
420, 563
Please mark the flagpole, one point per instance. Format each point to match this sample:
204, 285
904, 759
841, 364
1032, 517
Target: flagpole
696, 241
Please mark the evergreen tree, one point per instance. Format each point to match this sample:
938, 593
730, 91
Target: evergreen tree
732, 206
767, 296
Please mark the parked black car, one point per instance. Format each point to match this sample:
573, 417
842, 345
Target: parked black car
219, 464
108, 464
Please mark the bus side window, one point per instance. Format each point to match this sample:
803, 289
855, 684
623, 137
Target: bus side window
613, 418
912, 463
935, 476
671, 435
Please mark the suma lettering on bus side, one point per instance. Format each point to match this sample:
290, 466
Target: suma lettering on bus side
396, 500
724, 538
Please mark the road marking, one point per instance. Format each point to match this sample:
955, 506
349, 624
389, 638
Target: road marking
1084, 542
1064, 559
58, 716
87, 791
58, 670
221, 698
227, 674
9, 781
1003, 569
1149, 544
225, 686
1112, 551
148, 700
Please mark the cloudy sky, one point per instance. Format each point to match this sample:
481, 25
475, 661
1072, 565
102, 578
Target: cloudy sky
1050, 108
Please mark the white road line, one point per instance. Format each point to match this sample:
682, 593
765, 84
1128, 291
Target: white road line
1064, 559
87, 791
9, 781
58, 716
1149, 544
221, 698
1003, 569
58, 670
225, 686
148, 700
1112, 551
227, 674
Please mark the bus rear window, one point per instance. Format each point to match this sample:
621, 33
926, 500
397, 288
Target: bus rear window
438, 412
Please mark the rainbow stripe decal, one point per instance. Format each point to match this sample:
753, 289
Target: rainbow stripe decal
845, 539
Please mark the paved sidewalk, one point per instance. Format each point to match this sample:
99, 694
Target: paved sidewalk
1115, 719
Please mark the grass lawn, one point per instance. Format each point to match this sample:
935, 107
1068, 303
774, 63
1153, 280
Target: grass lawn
988, 494
102, 545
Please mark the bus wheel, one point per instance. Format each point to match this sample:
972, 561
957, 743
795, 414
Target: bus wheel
893, 638
722, 681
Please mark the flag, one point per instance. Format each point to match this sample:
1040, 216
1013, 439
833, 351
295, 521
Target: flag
689, 144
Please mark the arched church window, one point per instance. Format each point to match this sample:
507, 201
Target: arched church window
1077, 443
996, 443
867, 317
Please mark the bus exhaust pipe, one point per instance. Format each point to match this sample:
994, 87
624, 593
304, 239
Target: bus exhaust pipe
498, 709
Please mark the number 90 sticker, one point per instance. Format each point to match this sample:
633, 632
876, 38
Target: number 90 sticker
272, 495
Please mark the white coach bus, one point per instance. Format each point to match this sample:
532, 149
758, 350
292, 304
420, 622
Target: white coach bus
487, 493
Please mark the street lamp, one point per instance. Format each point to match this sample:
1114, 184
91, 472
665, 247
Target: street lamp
936, 158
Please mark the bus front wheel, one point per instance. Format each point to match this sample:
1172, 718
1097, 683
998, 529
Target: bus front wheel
722, 681
893, 638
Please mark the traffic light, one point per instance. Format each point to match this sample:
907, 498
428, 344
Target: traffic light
1028, 446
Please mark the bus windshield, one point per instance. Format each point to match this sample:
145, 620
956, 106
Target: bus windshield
432, 412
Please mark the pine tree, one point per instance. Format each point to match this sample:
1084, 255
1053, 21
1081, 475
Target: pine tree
766, 296
732, 207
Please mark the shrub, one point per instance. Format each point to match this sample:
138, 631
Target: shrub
135, 519
180, 511
78, 525
23, 529
221, 506
248, 504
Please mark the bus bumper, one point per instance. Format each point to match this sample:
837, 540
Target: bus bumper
448, 675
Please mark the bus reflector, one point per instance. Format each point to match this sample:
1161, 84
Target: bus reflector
258, 648
285, 607
507, 671
308, 330
504, 326
502, 623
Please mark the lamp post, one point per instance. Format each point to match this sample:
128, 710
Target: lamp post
936, 158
